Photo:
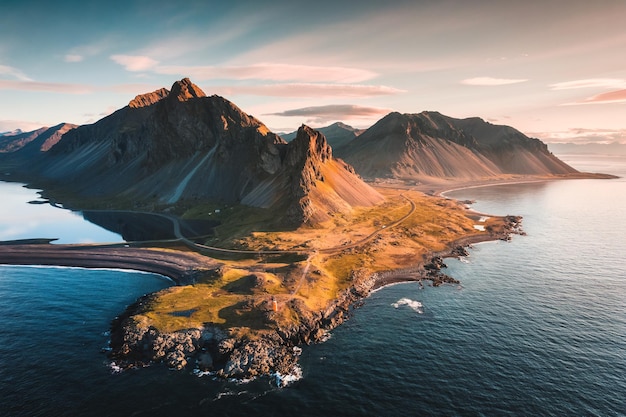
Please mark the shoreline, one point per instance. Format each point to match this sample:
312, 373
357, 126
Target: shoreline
439, 188
455, 249
273, 351
180, 267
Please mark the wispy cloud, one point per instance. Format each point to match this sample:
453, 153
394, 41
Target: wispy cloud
261, 71
135, 63
333, 112
268, 71
64, 88
582, 135
590, 83
491, 82
73, 58
309, 90
13, 72
610, 97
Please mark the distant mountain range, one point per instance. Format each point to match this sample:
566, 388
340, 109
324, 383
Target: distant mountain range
180, 145
39, 140
337, 134
430, 145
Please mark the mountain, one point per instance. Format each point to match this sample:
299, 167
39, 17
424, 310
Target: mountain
11, 132
179, 144
41, 139
338, 134
430, 145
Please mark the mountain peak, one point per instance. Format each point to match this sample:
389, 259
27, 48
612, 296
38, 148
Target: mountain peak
144, 100
184, 90
314, 142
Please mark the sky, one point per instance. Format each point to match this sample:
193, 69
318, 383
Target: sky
553, 69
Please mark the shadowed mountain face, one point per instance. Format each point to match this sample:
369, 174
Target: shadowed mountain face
431, 145
40, 140
168, 146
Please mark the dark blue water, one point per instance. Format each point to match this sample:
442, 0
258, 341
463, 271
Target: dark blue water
537, 327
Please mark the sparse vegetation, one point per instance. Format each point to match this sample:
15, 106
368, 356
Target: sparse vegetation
238, 296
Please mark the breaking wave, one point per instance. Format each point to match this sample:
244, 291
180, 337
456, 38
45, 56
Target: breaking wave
412, 304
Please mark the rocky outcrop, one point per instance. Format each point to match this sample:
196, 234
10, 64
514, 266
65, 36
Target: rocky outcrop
144, 100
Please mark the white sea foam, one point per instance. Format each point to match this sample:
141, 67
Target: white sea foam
115, 368
197, 372
412, 304
282, 381
127, 270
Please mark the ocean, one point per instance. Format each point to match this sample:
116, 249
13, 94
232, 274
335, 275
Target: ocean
536, 327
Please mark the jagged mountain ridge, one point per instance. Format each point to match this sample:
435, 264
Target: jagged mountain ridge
429, 145
337, 134
39, 140
180, 144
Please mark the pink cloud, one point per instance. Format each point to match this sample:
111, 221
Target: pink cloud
618, 96
491, 82
45, 87
310, 90
271, 71
590, 83
135, 63
610, 97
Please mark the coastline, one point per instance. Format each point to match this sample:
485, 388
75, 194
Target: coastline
440, 187
181, 267
275, 351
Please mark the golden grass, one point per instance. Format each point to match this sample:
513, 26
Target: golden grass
239, 298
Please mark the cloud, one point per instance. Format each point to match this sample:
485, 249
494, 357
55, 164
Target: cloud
135, 63
618, 96
611, 97
309, 90
272, 72
582, 135
333, 112
64, 88
73, 58
490, 82
13, 72
590, 83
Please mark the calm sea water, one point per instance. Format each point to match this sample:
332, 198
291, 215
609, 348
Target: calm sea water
20, 220
537, 327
